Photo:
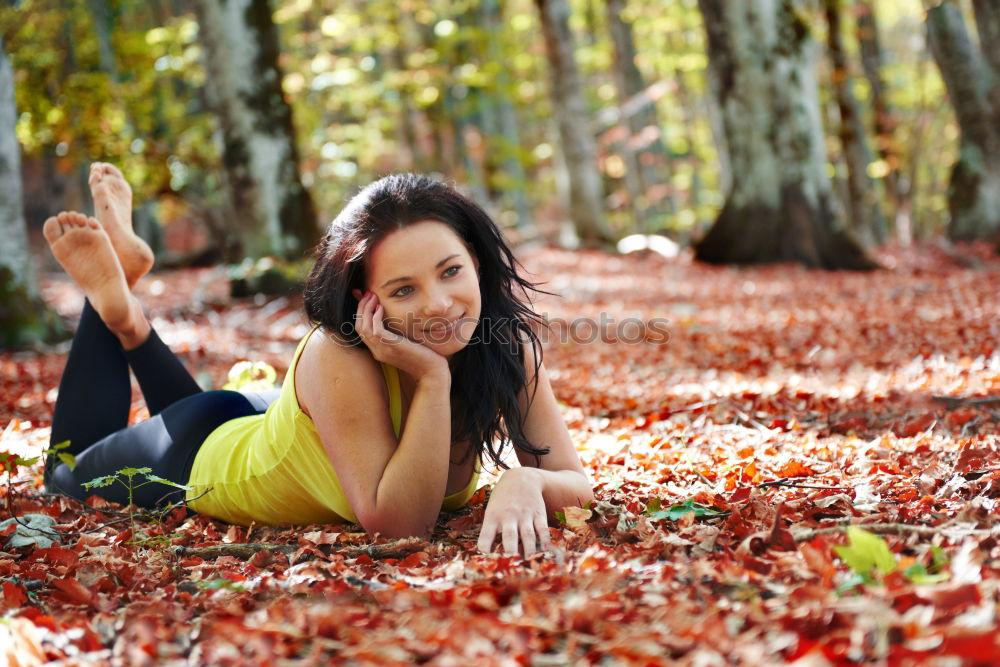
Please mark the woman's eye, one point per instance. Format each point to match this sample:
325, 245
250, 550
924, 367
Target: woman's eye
402, 291
451, 270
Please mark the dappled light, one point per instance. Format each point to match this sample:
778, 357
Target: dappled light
728, 461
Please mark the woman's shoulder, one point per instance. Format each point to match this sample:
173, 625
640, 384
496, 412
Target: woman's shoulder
328, 366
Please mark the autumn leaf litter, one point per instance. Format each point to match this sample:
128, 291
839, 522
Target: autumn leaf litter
728, 462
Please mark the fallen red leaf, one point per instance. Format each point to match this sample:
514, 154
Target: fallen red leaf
71, 590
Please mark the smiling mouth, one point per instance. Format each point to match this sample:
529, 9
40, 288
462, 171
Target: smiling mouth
437, 331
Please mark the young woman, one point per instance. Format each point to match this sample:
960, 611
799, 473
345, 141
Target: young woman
423, 361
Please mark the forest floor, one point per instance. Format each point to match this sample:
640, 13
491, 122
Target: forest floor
734, 465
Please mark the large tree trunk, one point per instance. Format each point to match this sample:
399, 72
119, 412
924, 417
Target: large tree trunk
988, 26
864, 205
272, 213
974, 191
866, 29
779, 207
505, 144
645, 154
24, 319
586, 191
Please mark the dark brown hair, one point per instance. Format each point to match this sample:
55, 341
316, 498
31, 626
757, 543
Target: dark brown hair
488, 374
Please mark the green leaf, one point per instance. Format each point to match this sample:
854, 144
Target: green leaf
8, 459
675, 512
939, 559
561, 516
216, 584
157, 478
918, 574
853, 580
132, 472
100, 482
68, 459
865, 552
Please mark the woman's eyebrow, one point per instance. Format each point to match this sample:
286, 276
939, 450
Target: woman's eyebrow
405, 278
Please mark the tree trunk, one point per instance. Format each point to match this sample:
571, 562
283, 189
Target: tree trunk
271, 211
102, 19
864, 201
974, 190
778, 208
24, 318
988, 26
586, 191
866, 28
506, 143
644, 151
415, 157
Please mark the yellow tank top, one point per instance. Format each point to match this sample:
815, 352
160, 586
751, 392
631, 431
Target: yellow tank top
272, 468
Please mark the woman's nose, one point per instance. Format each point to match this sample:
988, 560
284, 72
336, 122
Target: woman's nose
438, 303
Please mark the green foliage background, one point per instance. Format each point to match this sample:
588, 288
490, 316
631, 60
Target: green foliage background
355, 71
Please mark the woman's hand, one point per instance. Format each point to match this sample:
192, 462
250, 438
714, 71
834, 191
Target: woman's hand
517, 510
392, 348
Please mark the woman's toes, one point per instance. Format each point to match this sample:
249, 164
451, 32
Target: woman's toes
109, 169
95, 174
52, 229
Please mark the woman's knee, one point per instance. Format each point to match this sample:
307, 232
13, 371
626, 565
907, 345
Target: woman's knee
220, 405
193, 418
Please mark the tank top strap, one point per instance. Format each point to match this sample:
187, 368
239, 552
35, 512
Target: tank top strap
298, 352
391, 375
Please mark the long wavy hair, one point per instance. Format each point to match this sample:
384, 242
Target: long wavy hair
488, 374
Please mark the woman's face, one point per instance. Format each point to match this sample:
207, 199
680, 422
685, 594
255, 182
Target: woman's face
428, 284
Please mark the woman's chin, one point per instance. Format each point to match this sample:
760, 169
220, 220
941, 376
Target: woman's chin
448, 343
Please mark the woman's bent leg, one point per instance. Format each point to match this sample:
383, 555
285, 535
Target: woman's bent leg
95, 392
162, 377
166, 442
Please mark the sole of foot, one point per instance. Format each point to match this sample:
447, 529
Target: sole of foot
83, 248
113, 210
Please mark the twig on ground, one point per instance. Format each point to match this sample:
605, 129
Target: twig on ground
125, 516
895, 529
704, 479
789, 482
952, 402
400, 548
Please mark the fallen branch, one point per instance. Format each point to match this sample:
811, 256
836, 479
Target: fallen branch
805, 535
953, 402
788, 482
400, 548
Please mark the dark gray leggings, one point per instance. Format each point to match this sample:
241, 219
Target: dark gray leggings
92, 409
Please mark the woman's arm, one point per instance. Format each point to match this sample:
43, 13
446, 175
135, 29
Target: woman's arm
395, 488
525, 498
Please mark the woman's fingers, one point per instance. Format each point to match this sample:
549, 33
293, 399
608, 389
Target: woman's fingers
487, 534
531, 533
366, 315
528, 538
510, 537
542, 531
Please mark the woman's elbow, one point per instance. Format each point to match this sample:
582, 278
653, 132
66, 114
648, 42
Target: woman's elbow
395, 527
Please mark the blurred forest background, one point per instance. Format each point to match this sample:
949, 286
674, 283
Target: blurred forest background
801, 130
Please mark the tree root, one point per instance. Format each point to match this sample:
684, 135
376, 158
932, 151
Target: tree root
400, 548
953, 402
896, 529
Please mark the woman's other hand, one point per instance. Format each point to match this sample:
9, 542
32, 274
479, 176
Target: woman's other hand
390, 347
516, 511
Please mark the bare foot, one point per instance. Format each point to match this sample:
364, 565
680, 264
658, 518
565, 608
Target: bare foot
84, 249
113, 208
